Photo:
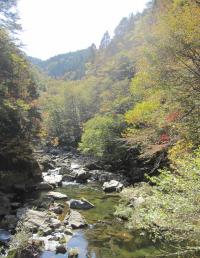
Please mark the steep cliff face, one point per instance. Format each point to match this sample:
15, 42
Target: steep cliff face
146, 163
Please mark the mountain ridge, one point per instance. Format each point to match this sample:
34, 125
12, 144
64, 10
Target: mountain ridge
70, 65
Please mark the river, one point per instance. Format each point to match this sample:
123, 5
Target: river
106, 236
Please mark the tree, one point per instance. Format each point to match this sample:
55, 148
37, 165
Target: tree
18, 93
105, 40
101, 137
8, 15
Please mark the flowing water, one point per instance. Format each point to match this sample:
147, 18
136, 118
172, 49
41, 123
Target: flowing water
106, 236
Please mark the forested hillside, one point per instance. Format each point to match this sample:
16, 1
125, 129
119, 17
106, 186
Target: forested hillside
70, 66
145, 80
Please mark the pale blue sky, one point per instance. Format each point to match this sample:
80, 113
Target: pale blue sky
51, 27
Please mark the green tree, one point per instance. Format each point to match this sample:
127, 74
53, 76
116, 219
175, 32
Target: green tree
102, 137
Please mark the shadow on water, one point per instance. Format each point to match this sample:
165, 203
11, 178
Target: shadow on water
106, 237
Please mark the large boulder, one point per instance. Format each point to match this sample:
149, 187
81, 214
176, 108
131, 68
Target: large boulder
80, 204
33, 219
52, 179
57, 195
112, 186
75, 220
82, 176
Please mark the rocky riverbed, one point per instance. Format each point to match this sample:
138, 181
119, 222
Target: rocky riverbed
48, 214
70, 213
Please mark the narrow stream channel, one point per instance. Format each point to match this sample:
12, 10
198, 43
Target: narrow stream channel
106, 236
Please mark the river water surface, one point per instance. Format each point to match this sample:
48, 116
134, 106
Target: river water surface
106, 236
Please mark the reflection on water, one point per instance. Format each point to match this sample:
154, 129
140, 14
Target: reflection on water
106, 236
79, 240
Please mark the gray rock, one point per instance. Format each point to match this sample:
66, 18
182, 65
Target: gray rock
75, 165
76, 220
82, 176
51, 245
61, 249
45, 162
80, 204
112, 186
55, 223
46, 230
51, 241
57, 208
102, 176
65, 170
69, 177
68, 231
34, 220
45, 202
57, 195
52, 179
61, 229
44, 186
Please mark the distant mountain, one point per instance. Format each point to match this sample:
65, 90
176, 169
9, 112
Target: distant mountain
35, 61
69, 66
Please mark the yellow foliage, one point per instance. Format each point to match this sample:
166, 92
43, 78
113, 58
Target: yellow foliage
43, 133
177, 153
55, 141
141, 83
142, 111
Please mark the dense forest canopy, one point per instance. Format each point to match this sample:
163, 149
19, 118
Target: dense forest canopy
148, 73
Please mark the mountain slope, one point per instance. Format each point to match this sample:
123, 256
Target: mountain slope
70, 66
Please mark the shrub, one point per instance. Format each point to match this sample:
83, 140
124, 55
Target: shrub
172, 208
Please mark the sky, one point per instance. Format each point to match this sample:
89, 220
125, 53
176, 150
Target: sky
52, 27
